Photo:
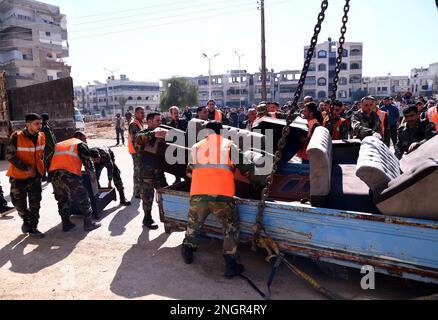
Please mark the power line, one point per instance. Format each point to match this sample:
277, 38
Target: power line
166, 17
152, 13
173, 22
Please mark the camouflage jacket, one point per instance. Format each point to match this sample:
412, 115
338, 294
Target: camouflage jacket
11, 150
143, 138
50, 139
330, 124
365, 126
107, 160
133, 130
423, 131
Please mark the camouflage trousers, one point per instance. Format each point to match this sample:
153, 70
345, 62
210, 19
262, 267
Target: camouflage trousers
3, 202
21, 190
68, 189
117, 179
136, 161
148, 184
227, 216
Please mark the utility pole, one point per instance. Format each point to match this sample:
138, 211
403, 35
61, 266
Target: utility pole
240, 77
209, 72
112, 86
264, 89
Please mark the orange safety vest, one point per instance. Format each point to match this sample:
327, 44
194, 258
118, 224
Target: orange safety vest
213, 172
303, 152
432, 116
336, 134
131, 147
382, 115
218, 116
66, 157
31, 155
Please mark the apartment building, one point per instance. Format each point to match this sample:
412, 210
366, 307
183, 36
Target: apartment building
424, 81
386, 85
117, 96
33, 42
319, 82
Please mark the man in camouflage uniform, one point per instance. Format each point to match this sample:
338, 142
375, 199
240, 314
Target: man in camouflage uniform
134, 128
366, 122
150, 178
263, 111
413, 132
4, 207
25, 175
336, 125
69, 187
49, 150
222, 207
103, 157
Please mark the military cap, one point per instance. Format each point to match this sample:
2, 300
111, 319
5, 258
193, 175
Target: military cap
32, 117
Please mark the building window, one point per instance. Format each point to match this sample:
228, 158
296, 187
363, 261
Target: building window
345, 53
50, 78
344, 66
130, 98
322, 94
322, 82
342, 94
48, 34
355, 66
356, 52
322, 67
138, 98
322, 54
312, 67
355, 79
343, 81
311, 80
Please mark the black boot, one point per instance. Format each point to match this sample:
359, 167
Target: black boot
187, 254
5, 210
149, 223
26, 227
232, 267
123, 201
67, 225
90, 225
35, 233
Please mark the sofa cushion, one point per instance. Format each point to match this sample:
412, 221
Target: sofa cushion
427, 150
411, 194
319, 153
376, 165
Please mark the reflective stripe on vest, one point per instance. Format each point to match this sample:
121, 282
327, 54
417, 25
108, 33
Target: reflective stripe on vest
432, 116
382, 116
28, 153
213, 171
336, 134
66, 157
131, 147
218, 116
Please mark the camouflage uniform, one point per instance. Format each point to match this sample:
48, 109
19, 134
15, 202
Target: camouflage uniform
223, 208
330, 124
149, 178
108, 161
365, 126
423, 131
50, 145
22, 189
133, 130
69, 188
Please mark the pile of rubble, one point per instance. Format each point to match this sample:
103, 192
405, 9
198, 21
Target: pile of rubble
102, 129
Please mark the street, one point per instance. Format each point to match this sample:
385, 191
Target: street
121, 260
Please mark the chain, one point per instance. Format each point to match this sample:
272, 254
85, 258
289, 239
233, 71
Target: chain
258, 227
340, 49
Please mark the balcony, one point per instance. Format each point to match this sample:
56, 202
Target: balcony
51, 64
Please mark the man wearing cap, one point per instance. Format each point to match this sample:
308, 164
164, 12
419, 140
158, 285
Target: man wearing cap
393, 118
413, 132
66, 174
103, 157
25, 153
49, 150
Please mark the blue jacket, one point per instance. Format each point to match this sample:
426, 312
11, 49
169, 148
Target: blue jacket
393, 114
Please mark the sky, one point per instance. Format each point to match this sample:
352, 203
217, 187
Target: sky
149, 40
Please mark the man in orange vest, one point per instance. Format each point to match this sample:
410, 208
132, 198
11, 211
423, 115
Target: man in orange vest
214, 114
432, 116
335, 123
383, 116
211, 168
25, 153
135, 127
66, 174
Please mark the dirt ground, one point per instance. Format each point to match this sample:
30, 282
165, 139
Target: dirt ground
121, 260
